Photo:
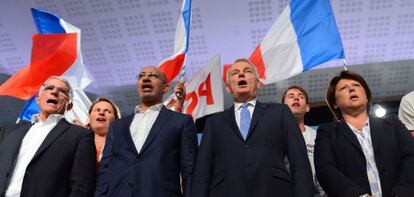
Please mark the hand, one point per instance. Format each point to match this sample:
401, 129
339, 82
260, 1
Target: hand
79, 123
179, 92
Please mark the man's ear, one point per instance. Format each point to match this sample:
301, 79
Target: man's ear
69, 106
165, 88
37, 99
307, 107
228, 88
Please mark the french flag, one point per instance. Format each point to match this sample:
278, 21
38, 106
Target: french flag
173, 65
56, 51
305, 35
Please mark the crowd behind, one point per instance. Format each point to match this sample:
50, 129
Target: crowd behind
251, 149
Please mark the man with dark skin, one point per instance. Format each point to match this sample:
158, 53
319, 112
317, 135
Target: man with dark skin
146, 152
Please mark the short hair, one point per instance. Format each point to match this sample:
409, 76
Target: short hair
117, 112
162, 74
66, 82
330, 92
245, 60
303, 91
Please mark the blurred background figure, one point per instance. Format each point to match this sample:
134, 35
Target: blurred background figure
297, 99
406, 111
360, 155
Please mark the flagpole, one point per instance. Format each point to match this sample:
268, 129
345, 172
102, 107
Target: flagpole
345, 64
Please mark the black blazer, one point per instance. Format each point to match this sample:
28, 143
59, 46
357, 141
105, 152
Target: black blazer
227, 165
64, 164
341, 166
168, 151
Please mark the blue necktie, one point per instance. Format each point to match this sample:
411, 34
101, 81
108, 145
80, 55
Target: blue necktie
245, 120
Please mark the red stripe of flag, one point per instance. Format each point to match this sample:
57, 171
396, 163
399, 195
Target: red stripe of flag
172, 67
52, 54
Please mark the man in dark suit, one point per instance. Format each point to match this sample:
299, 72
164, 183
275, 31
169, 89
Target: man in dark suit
145, 153
243, 149
49, 157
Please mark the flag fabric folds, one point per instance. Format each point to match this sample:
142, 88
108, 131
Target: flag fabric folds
173, 64
204, 91
303, 36
56, 51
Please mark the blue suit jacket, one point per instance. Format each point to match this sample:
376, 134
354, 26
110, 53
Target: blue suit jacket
168, 151
227, 165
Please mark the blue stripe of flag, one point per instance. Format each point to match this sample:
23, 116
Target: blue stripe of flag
317, 32
45, 22
186, 12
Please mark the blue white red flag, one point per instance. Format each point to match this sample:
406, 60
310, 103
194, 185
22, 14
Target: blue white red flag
56, 51
305, 35
173, 65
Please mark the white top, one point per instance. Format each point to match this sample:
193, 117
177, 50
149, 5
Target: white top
30, 143
310, 135
238, 109
365, 141
406, 110
142, 124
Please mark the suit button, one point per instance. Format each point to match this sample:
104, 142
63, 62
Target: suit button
7, 174
247, 146
130, 184
27, 173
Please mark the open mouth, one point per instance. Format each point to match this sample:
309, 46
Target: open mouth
353, 97
146, 87
242, 83
295, 105
100, 119
52, 101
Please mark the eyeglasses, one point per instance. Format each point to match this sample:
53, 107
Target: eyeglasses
60, 90
149, 75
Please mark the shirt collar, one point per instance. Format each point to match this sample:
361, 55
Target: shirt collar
157, 107
355, 130
252, 103
50, 118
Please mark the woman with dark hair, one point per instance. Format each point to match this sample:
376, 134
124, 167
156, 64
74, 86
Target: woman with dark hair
359, 155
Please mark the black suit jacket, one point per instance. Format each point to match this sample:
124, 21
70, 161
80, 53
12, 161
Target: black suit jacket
168, 151
341, 166
227, 165
64, 164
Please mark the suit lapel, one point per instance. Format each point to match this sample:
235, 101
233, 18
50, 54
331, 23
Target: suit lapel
376, 130
159, 123
11, 144
349, 135
60, 127
258, 112
230, 118
125, 129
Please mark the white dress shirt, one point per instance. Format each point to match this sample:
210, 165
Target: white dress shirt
142, 124
365, 141
238, 109
30, 144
